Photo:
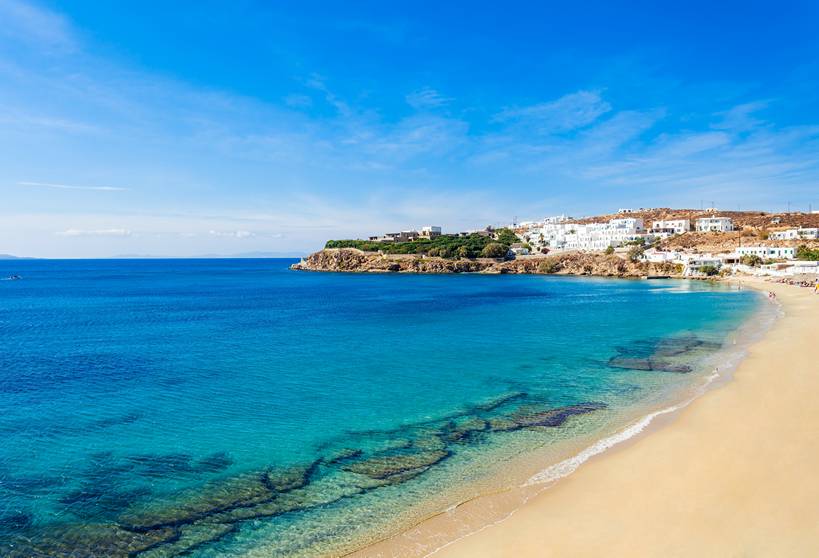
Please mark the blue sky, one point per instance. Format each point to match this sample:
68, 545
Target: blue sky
216, 127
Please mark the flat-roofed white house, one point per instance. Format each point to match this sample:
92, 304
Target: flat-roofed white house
696, 264
671, 226
715, 224
768, 252
630, 224
789, 234
661, 256
811, 233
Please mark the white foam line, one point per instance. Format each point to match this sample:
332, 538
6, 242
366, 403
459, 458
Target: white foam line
569, 466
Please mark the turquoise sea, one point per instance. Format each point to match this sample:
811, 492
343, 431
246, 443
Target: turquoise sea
235, 407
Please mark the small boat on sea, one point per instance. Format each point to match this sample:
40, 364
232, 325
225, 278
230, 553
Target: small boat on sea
12, 278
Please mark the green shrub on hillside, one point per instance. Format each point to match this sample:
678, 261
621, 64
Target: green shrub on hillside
636, 252
495, 250
445, 246
805, 253
506, 236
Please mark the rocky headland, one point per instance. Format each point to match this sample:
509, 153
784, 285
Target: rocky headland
352, 260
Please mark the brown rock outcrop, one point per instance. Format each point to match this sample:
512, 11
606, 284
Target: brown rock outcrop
570, 263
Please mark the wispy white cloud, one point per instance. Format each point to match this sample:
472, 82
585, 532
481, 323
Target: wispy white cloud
232, 234
426, 98
569, 112
99, 232
29, 23
741, 117
26, 121
70, 187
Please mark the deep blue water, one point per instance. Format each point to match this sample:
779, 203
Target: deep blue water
128, 389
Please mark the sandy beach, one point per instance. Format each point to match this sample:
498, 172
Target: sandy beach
731, 474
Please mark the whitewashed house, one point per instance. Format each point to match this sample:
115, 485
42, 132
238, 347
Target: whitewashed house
789, 234
671, 226
768, 252
715, 224
518, 249
696, 264
808, 233
653, 255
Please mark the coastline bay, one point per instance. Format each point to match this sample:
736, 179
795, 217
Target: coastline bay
213, 406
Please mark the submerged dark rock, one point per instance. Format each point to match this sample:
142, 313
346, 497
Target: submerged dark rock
86, 541
654, 354
465, 430
381, 466
556, 417
214, 463
190, 538
344, 455
243, 491
648, 364
289, 478
162, 465
548, 418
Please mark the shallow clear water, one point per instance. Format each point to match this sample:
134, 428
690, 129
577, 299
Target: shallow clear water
223, 407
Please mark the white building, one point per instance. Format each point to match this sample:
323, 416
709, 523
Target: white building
653, 255
518, 249
789, 234
715, 224
430, 231
768, 252
696, 264
562, 235
794, 234
799, 268
671, 226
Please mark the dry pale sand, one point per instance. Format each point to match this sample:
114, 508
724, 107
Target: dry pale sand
736, 473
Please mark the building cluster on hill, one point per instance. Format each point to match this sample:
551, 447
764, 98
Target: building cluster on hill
562, 233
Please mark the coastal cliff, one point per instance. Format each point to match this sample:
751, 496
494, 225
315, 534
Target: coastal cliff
352, 260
